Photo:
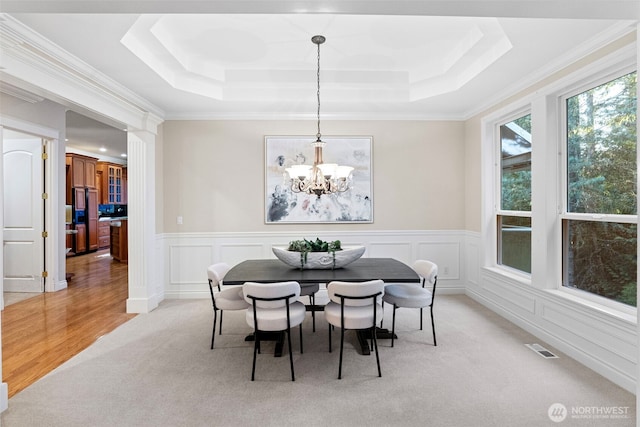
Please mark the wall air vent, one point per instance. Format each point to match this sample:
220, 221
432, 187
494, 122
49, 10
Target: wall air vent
542, 351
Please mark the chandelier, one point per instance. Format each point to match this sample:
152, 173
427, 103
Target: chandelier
320, 178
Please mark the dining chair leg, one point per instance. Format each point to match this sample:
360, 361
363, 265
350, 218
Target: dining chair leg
221, 313
256, 345
375, 344
393, 325
293, 378
213, 333
433, 328
329, 338
312, 300
301, 339
420, 318
341, 348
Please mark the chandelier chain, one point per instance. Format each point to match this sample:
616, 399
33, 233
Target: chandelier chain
320, 178
318, 135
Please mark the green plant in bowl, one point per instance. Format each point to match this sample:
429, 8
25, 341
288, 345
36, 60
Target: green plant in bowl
305, 246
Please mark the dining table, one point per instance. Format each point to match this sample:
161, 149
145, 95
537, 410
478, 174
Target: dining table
388, 270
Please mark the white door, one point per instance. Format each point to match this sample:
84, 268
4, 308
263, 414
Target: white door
23, 213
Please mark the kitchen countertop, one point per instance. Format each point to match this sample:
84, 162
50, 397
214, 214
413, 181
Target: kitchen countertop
113, 218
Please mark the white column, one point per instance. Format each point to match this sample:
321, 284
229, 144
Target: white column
144, 294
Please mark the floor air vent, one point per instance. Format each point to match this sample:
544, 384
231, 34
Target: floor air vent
542, 351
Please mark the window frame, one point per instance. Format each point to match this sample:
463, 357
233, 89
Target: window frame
547, 182
497, 179
595, 79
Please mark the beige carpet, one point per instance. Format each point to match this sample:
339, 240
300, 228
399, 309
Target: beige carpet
158, 370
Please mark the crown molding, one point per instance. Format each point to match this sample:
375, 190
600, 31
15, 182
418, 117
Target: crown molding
22, 94
614, 33
30, 58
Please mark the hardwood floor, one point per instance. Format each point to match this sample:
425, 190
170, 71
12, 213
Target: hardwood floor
42, 332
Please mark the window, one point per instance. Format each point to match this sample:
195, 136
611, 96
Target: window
599, 230
514, 213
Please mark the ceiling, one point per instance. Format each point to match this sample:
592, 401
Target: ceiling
406, 64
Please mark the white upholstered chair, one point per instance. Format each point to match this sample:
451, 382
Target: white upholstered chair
228, 299
275, 308
411, 295
355, 306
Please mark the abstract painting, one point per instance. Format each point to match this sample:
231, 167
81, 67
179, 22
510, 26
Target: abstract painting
282, 205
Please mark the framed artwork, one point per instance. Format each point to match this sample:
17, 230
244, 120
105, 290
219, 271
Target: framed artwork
282, 205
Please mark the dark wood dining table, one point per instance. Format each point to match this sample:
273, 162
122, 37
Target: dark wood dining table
389, 270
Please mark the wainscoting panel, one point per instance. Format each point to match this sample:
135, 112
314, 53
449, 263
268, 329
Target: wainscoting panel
235, 253
521, 303
472, 265
605, 335
187, 255
185, 260
445, 254
398, 250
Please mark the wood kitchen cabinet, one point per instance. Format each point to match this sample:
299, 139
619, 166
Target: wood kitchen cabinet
92, 218
124, 186
81, 239
111, 185
79, 200
82, 195
104, 234
81, 173
119, 240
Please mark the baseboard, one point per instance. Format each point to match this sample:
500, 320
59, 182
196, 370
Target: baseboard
57, 286
4, 397
142, 305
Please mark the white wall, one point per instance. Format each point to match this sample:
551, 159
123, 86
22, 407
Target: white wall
213, 174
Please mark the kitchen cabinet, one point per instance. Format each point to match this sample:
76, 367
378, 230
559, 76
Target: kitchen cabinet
92, 218
82, 195
81, 173
104, 234
119, 242
69, 238
111, 176
79, 200
81, 239
124, 186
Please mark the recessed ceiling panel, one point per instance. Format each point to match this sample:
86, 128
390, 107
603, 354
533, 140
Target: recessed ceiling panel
236, 57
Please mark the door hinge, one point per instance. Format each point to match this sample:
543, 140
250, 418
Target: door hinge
45, 156
45, 234
45, 196
45, 274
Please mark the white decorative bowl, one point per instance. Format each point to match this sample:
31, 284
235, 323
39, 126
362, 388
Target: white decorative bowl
319, 260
